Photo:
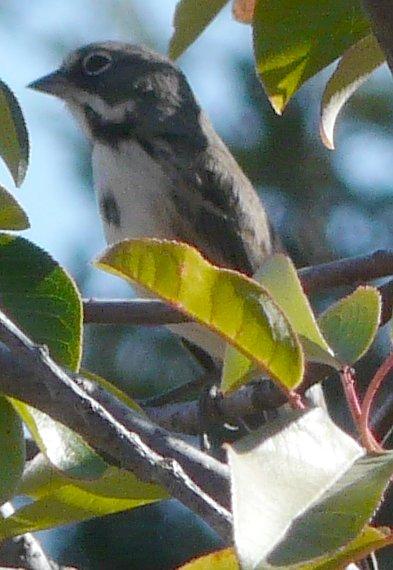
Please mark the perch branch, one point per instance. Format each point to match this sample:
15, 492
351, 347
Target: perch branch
125, 437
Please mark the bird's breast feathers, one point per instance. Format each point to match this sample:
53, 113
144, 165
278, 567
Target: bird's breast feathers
133, 192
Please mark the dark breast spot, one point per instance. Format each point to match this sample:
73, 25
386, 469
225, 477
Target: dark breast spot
110, 209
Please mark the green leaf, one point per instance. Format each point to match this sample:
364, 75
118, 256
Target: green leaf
293, 41
370, 540
227, 302
42, 298
12, 216
340, 515
112, 389
191, 18
14, 140
278, 473
279, 278
12, 450
65, 449
66, 505
350, 325
220, 560
40, 479
60, 500
354, 68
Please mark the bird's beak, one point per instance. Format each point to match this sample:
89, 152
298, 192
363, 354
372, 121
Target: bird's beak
54, 84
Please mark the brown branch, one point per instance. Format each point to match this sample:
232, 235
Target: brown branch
121, 435
250, 399
135, 312
349, 271
314, 279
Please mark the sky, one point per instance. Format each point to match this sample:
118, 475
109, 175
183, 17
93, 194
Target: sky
34, 36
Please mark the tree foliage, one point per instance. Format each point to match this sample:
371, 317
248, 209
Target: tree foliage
303, 492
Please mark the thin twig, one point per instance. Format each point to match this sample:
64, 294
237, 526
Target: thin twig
347, 271
366, 435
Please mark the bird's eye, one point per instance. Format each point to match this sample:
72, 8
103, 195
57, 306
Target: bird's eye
96, 63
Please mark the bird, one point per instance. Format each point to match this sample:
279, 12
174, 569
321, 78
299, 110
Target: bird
159, 168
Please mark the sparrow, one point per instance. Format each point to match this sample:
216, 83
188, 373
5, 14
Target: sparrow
159, 168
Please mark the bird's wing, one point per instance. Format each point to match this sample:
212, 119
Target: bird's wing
216, 208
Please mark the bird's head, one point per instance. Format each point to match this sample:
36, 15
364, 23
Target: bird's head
113, 83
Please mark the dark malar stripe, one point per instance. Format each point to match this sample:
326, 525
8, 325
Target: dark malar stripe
109, 132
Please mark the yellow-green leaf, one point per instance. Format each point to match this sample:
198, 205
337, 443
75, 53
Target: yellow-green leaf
293, 41
220, 560
354, 68
191, 18
60, 500
40, 479
14, 140
64, 448
227, 302
350, 325
12, 216
369, 540
66, 505
279, 277
12, 450
112, 389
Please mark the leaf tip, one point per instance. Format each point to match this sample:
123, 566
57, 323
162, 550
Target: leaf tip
278, 103
326, 136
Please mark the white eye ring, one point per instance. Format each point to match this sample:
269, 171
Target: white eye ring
96, 63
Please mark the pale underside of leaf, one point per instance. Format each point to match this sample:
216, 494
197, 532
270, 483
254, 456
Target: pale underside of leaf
340, 515
353, 69
280, 471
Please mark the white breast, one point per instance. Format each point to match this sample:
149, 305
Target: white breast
140, 188
142, 192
